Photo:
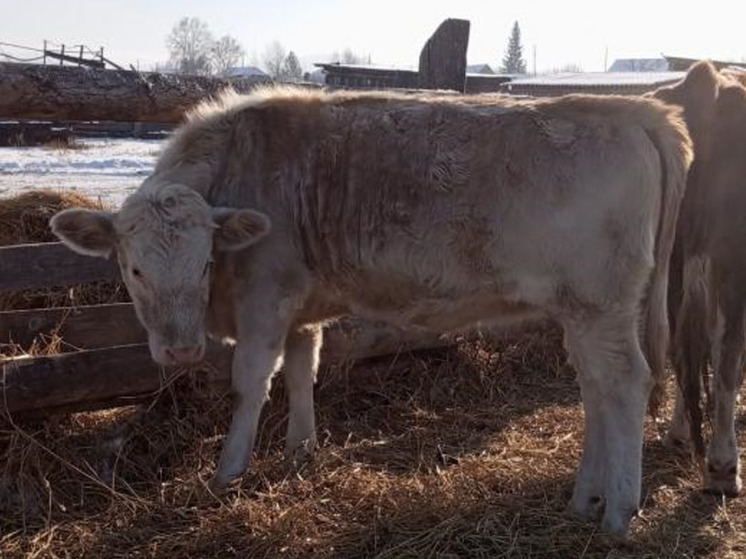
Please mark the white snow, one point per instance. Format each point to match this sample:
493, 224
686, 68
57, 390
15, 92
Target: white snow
106, 169
602, 78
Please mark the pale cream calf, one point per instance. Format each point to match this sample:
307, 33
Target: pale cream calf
430, 213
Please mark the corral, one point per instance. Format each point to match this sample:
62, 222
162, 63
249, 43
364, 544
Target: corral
459, 451
465, 451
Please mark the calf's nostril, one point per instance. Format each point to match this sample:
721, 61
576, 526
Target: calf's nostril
189, 354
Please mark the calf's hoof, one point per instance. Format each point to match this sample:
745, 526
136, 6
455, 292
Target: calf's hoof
616, 523
589, 509
723, 479
678, 443
220, 482
301, 452
217, 486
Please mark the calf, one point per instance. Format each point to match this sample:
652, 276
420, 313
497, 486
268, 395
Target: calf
707, 295
270, 214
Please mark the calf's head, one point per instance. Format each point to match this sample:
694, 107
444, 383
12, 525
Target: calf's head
164, 239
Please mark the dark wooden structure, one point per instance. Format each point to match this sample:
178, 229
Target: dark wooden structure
40, 132
443, 58
442, 66
486, 83
112, 364
356, 76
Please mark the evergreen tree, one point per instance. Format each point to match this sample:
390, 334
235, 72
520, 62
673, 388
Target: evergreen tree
513, 62
292, 71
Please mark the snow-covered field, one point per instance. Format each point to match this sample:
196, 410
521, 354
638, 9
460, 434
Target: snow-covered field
106, 169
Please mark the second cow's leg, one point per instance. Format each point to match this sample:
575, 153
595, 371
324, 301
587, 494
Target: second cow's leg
678, 435
616, 382
723, 465
300, 366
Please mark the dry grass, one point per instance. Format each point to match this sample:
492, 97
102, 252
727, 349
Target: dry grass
25, 219
464, 452
461, 452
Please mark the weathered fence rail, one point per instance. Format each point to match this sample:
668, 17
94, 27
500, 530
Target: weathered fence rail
49, 265
108, 363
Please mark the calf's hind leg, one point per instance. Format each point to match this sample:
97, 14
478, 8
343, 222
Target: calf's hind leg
615, 384
723, 466
301, 364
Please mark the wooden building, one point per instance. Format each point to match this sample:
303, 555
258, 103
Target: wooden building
358, 76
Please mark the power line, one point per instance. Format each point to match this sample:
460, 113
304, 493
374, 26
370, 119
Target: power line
16, 59
20, 47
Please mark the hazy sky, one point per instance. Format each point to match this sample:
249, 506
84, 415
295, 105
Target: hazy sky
392, 31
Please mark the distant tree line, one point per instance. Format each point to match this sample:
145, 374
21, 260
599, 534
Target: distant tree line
193, 50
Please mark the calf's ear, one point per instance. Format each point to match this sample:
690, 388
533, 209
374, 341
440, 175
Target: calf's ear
238, 229
87, 232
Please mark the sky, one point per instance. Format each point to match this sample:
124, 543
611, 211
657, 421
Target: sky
392, 32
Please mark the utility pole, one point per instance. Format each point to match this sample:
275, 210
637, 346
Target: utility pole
534, 60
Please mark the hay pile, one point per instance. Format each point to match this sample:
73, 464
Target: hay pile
25, 219
462, 452
467, 451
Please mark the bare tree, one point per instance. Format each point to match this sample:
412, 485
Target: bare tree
291, 68
226, 53
349, 57
570, 68
189, 45
274, 60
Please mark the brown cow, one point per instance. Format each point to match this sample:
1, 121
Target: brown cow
425, 212
707, 294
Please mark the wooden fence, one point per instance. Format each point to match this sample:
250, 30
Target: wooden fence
111, 365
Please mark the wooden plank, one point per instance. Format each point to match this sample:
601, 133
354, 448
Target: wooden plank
123, 375
90, 327
102, 326
65, 93
74, 59
85, 379
443, 58
40, 265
